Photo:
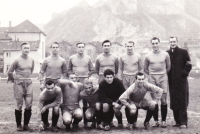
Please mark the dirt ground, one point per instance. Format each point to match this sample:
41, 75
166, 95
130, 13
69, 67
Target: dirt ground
8, 125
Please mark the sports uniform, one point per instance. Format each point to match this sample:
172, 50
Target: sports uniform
70, 107
106, 61
129, 65
157, 64
49, 99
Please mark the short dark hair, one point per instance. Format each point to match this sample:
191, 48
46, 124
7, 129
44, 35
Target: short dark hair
25, 43
131, 42
139, 73
105, 41
174, 37
55, 43
155, 38
49, 82
108, 72
80, 43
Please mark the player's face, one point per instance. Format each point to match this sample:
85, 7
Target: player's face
73, 77
140, 80
88, 88
109, 78
80, 48
106, 47
129, 48
50, 88
173, 42
55, 49
155, 45
25, 49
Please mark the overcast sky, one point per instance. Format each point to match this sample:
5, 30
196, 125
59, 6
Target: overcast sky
37, 11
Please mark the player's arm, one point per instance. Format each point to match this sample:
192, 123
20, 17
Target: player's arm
42, 73
64, 69
146, 65
57, 101
121, 68
70, 66
11, 70
91, 67
97, 66
40, 106
125, 96
154, 89
168, 63
140, 63
116, 65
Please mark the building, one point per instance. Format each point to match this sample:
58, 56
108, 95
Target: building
11, 39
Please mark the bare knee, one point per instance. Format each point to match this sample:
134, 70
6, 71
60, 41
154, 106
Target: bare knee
19, 104
89, 115
78, 113
56, 110
105, 107
98, 106
67, 118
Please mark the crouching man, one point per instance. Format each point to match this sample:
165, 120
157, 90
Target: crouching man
71, 111
50, 97
133, 99
90, 95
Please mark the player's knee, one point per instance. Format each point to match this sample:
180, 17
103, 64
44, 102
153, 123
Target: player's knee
105, 107
67, 120
56, 110
98, 106
89, 116
78, 114
153, 105
133, 109
163, 102
28, 106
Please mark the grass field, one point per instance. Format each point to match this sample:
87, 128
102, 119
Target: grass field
8, 125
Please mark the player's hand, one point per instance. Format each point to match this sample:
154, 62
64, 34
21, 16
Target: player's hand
43, 109
152, 105
41, 87
116, 105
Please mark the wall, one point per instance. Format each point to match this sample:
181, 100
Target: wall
25, 36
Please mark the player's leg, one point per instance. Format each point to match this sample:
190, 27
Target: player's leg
67, 118
108, 114
125, 81
90, 116
98, 113
118, 115
28, 104
131, 115
176, 118
183, 118
164, 86
18, 95
55, 116
45, 118
153, 80
77, 115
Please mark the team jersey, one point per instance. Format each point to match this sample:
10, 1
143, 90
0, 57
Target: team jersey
130, 64
136, 94
81, 66
23, 67
53, 67
157, 62
104, 62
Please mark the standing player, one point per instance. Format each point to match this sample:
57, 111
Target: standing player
70, 107
129, 64
23, 67
53, 67
91, 95
82, 66
110, 89
106, 60
50, 97
178, 83
157, 65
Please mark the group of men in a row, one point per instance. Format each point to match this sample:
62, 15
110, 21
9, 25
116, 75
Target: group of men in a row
121, 82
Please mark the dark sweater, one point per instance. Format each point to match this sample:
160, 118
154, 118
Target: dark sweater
109, 93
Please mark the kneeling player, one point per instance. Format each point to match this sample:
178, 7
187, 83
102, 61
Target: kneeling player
71, 110
91, 96
133, 99
50, 97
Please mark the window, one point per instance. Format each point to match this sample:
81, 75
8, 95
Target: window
7, 67
8, 54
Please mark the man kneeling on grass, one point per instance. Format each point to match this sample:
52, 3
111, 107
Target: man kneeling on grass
50, 97
133, 99
90, 94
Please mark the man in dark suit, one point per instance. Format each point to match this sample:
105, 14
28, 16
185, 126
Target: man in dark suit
178, 83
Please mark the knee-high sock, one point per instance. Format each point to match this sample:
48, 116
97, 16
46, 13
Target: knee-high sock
148, 116
155, 113
54, 119
135, 116
84, 109
45, 117
27, 116
18, 117
98, 115
119, 118
76, 121
108, 116
164, 112
176, 116
128, 116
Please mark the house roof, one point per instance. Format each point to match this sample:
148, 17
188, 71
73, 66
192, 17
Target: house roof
26, 27
16, 45
4, 36
4, 29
